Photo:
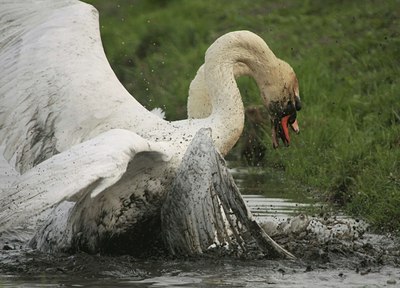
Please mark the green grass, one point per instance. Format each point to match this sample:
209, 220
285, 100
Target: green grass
346, 55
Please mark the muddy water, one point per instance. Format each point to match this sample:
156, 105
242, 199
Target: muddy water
332, 265
214, 274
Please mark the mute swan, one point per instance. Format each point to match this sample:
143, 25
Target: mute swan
94, 163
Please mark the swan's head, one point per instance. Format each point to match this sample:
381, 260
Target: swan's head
282, 98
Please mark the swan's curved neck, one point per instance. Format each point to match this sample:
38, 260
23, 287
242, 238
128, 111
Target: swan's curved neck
232, 55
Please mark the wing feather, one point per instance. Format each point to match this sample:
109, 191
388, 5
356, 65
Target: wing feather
57, 88
89, 167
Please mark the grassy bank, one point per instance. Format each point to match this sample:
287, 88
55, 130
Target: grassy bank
346, 55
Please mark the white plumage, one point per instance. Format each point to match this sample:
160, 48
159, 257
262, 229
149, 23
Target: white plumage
74, 132
89, 167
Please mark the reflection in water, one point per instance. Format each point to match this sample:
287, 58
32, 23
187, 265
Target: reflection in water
267, 194
272, 209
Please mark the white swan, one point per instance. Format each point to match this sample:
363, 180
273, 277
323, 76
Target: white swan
76, 135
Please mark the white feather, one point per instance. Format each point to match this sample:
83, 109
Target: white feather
97, 163
57, 88
159, 112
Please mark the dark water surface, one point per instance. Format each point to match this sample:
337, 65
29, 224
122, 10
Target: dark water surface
106, 272
342, 269
224, 274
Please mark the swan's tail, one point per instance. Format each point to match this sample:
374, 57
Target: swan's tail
204, 208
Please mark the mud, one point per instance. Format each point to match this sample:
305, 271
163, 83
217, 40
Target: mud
372, 259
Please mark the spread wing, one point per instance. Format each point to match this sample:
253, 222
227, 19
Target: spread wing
89, 167
57, 88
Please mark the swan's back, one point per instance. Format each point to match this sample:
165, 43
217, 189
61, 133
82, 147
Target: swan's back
56, 85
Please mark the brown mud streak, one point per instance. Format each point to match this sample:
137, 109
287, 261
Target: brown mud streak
362, 258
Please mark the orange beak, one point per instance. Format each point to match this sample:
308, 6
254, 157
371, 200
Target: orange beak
285, 130
281, 130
